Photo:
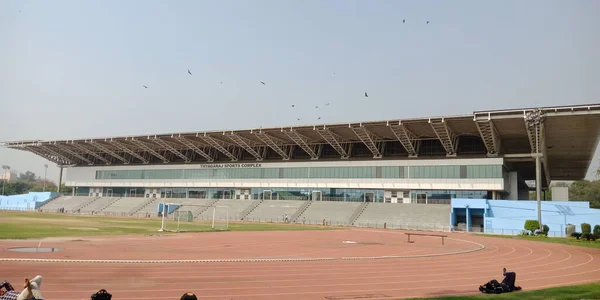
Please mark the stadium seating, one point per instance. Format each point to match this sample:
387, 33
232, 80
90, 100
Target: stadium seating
227, 209
405, 216
123, 206
69, 203
274, 210
333, 212
401, 216
97, 206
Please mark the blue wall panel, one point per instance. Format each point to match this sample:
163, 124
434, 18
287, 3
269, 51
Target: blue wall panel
508, 216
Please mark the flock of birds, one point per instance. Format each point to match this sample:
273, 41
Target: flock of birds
366, 95
293, 105
264, 83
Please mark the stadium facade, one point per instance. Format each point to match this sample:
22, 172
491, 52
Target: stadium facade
483, 155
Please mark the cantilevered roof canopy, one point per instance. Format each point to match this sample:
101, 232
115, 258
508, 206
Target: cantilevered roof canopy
567, 137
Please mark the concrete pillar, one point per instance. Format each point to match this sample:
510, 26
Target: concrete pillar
468, 218
59, 180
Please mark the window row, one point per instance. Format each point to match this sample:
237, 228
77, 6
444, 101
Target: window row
480, 171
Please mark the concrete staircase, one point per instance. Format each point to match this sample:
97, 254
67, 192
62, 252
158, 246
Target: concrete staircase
141, 206
357, 213
300, 211
250, 208
109, 204
203, 209
85, 203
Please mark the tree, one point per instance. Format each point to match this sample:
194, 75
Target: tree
27, 176
585, 190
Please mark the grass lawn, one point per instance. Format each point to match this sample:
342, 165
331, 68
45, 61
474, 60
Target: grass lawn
23, 225
576, 292
558, 240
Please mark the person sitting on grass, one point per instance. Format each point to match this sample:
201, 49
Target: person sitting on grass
31, 290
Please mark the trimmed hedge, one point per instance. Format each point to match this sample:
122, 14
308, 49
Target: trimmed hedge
586, 228
532, 226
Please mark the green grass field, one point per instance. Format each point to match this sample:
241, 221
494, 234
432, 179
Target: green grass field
25, 225
575, 292
558, 240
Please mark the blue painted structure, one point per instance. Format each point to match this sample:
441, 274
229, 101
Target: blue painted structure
30, 201
509, 216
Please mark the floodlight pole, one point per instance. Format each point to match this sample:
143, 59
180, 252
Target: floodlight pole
45, 175
535, 119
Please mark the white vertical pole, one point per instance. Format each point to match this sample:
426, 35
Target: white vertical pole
162, 227
213, 220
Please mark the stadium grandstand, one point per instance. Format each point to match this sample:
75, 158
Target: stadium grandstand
421, 163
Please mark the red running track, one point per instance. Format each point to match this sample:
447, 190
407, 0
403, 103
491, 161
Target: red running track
426, 269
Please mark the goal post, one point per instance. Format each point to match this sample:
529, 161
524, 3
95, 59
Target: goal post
177, 217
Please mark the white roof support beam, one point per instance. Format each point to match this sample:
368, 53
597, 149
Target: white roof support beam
54, 159
489, 135
368, 139
60, 157
147, 148
123, 147
168, 147
90, 153
334, 140
408, 139
245, 144
108, 151
301, 141
217, 145
446, 136
273, 143
192, 145
73, 153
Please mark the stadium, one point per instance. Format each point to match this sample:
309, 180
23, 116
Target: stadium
340, 174
296, 212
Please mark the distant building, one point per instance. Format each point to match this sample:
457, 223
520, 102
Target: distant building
8, 176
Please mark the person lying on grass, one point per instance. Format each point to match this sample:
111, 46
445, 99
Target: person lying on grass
31, 290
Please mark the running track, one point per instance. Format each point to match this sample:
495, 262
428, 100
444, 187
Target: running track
425, 269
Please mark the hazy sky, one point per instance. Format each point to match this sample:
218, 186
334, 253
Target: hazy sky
75, 69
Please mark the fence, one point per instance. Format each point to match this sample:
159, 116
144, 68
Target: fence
16, 208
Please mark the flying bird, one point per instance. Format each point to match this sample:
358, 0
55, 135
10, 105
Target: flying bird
263, 83
298, 119
319, 118
189, 72
327, 104
293, 105
316, 106
366, 95
145, 86
404, 21
427, 22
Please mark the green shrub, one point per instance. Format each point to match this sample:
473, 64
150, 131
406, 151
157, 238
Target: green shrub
588, 237
586, 228
597, 231
532, 225
576, 235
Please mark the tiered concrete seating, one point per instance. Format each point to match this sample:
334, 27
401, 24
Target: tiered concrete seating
150, 209
123, 206
231, 210
66, 202
405, 216
97, 205
334, 212
190, 204
274, 210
